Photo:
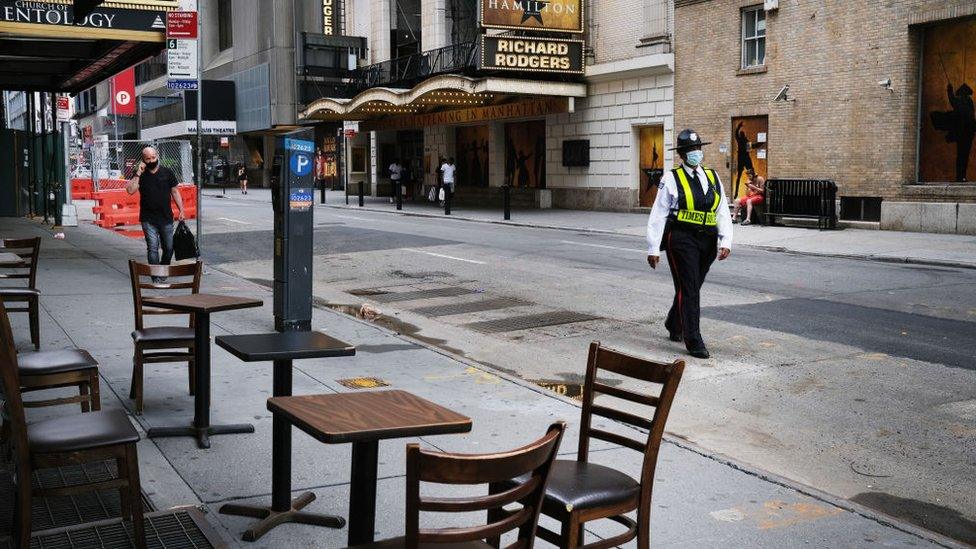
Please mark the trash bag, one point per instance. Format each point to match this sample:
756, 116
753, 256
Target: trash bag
184, 243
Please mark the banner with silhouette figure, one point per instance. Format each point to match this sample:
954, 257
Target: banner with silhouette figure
651, 163
749, 150
948, 122
525, 154
471, 146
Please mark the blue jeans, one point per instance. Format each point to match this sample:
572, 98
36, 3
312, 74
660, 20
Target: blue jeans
156, 235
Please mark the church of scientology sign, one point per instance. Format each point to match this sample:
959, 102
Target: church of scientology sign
27, 14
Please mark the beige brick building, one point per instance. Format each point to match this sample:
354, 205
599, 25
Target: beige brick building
862, 89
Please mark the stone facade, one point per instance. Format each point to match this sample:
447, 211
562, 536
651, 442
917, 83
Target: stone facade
843, 125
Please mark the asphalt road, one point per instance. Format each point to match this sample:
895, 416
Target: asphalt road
854, 377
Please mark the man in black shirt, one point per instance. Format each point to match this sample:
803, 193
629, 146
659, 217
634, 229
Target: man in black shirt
156, 185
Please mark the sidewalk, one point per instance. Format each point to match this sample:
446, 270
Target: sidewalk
700, 499
892, 246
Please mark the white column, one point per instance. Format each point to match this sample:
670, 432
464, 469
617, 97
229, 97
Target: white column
379, 31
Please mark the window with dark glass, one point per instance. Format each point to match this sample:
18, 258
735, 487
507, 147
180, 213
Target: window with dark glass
225, 25
753, 37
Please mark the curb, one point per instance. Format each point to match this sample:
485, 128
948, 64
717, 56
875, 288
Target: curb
767, 248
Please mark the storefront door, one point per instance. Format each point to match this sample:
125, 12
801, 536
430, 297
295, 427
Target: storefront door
749, 151
651, 143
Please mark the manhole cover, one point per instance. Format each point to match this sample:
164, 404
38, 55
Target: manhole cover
449, 291
366, 292
527, 322
472, 307
363, 383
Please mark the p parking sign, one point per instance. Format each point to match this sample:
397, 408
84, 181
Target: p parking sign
300, 164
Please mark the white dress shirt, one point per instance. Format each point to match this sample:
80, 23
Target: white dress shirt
667, 201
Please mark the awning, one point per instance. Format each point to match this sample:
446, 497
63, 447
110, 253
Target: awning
439, 94
56, 46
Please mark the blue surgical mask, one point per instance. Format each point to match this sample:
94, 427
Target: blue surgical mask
694, 158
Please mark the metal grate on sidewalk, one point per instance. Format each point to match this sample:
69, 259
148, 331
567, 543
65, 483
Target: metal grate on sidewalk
176, 529
471, 307
527, 322
449, 291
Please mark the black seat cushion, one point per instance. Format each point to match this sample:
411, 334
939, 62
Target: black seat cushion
574, 486
52, 362
77, 432
19, 292
163, 333
394, 543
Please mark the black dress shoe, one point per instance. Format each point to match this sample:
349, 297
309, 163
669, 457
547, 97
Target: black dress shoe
699, 352
674, 336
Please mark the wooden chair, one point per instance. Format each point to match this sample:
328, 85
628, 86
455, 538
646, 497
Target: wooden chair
580, 491
69, 440
164, 343
532, 462
27, 249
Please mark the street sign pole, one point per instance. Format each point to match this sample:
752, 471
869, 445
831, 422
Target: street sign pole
199, 140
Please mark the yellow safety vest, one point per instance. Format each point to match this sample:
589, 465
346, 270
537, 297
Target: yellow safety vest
688, 214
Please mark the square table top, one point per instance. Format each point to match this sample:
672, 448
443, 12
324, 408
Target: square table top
203, 303
8, 259
284, 346
367, 416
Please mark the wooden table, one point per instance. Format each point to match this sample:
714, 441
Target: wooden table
200, 306
281, 348
11, 261
365, 418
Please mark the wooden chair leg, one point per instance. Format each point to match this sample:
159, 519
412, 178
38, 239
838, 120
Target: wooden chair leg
569, 538
35, 326
135, 496
22, 514
643, 529
96, 397
136, 390
83, 391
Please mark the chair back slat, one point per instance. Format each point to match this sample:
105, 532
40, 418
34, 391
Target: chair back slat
614, 438
623, 394
623, 417
28, 249
534, 460
668, 375
10, 389
139, 272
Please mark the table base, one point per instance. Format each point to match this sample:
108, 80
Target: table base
202, 434
270, 519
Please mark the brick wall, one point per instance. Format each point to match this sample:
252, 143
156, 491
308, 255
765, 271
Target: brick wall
843, 125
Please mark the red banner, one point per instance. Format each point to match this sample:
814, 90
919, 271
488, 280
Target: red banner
124, 92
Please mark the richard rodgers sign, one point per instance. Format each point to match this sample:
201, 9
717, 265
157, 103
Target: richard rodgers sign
532, 54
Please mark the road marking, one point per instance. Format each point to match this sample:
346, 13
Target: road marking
234, 220
352, 217
604, 246
445, 256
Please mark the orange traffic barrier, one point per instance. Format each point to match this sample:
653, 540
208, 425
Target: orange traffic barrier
82, 189
114, 207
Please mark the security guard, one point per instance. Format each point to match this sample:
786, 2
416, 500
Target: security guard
690, 221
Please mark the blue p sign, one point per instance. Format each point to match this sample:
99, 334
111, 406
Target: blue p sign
301, 164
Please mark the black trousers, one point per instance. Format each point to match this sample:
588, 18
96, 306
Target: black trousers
690, 254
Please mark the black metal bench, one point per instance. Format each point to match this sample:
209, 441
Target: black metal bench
802, 198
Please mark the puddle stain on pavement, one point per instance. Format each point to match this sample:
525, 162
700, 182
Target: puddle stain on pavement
777, 514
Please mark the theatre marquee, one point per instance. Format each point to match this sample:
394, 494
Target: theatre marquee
537, 15
531, 54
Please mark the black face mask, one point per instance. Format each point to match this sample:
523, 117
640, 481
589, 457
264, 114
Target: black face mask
152, 165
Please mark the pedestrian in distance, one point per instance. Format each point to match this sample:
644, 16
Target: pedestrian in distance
242, 177
756, 186
448, 172
156, 186
690, 221
396, 172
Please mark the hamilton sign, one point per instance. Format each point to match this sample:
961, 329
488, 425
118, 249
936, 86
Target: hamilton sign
541, 15
512, 53
62, 15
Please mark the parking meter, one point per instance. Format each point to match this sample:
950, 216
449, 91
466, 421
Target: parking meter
292, 191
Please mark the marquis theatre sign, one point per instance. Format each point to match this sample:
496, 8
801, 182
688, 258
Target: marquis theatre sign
540, 15
50, 14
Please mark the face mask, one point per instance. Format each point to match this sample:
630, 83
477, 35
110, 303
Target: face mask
694, 158
152, 165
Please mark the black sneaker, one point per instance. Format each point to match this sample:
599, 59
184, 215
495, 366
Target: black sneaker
698, 352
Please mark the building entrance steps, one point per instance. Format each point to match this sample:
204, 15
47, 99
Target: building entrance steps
701, 499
